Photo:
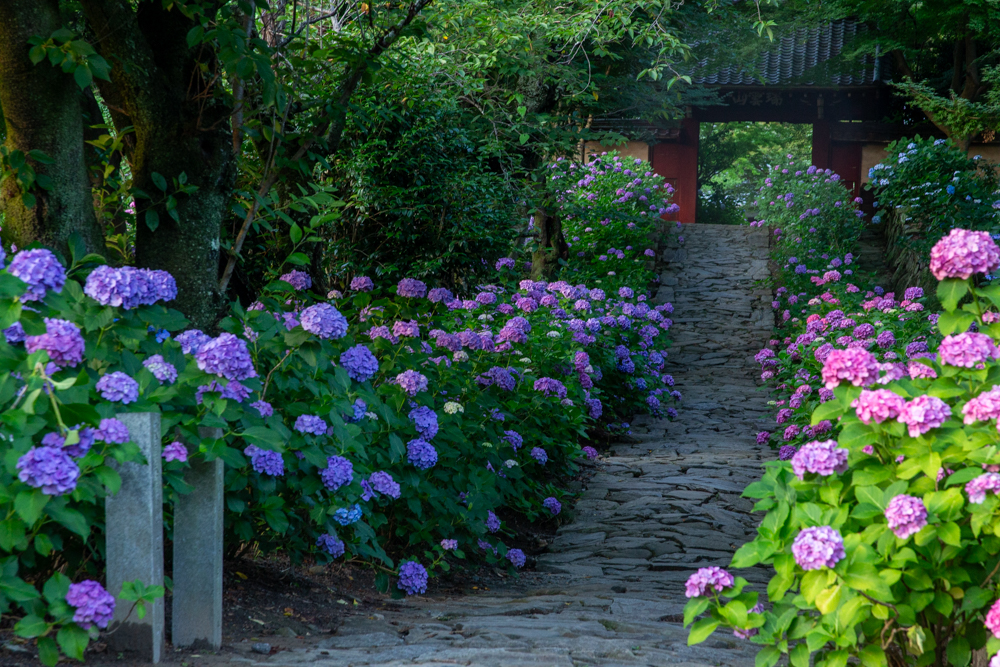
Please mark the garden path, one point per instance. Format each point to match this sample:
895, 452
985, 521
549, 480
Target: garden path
610, 591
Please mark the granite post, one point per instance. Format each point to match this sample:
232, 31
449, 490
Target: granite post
198, 523
134, 518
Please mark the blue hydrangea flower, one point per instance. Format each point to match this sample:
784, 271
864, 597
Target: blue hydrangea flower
338, 472
226, 356
358, 410
324, 321
421, 454
264, 408
192, 340
492, 522
552, 505
516, 557
539, 455
310, 424
41, 270
265, 461
359, 362
331, 544
62, 341
425, 420
346, 516
412, 578
93, 604
161, 369
118, 387
50, 469
113, 432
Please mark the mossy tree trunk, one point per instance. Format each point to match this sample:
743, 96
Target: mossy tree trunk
43, 111
165, 89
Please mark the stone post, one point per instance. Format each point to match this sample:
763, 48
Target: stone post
134, 518
198, 523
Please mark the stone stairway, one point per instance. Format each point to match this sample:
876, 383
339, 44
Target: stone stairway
610, 592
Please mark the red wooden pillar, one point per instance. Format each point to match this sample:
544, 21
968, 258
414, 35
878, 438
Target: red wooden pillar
677, 162
821, 142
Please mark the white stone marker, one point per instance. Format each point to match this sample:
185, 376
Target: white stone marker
198, 523
134, 518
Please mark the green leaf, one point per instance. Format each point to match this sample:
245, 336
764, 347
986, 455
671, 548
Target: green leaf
56, 587
30, 504
799, 656
746, 556
767, 657
159, 181
873, 656
950, 291
829, 410
950, 533
83, 77
152, 220
694, 608
73, 640
70, 518
31, 626
295, 233
48, 653
18, 589
958, 651
701, 630
12, 531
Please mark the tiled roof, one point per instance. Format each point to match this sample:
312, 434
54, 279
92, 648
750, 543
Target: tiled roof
801, 58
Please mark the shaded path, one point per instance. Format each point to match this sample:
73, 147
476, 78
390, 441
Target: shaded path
611, 590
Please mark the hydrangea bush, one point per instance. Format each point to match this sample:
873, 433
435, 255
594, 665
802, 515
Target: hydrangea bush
885, 541
612, 208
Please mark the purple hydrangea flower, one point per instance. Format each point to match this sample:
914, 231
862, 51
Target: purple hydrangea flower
264, 408
128, 287
41, 270
94, 605
412, 382
85, 440
338, 472
906, 515
516, 558
705, 579
425, 420
331, 544
548, 386
502, 378
299, 280
513, 438
539, 455
118, 387
362, 284
161, 369
175, 451
265, 461
978, 487
112, 432
62, 341
786, 452
50, 469
421, 453
359, 362
226, 356
449, 545
763, 437
232, 391
14, 333
439, 294
383, 483
820, 457
412, 578
311, 424
192, 340
324, 321
552, 505
590, 453
492, 522
594, 407
818, 547
411, 287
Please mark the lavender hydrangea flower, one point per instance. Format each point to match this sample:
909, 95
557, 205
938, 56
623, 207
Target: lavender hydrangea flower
501, 377
359, 362
439, 294
192, 340
967, 350
421, 454
516, 558
818, 547
978, 487
93, 604
362, 284
324, 321
552, 505
62, 341
161, 369
50, 469
923, 414
425, 420
449, 545
338, 472
412, 382
539, 455
263, 408
310, 424
226, 356
548, 386
265, 461
41, 270
346, 516
118, 387
906, 515
382, 483
412, 578
410, 287
175, 451
707, 579
492, 522
299, 280
128, 287
819, 457
112, 432
331, 544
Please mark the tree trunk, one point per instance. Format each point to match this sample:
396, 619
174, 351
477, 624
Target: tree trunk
42, 109
166, 90
551, 246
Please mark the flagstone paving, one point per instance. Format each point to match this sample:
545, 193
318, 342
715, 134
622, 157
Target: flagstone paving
610, 590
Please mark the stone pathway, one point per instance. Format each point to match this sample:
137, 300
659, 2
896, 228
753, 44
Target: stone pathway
610, 591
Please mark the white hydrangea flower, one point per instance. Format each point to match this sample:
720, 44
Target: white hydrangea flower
461, 355
510, 463
553, 334
451, 407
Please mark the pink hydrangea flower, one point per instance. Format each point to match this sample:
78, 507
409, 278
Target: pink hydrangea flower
966, 350
854, 365
708, 578
919, 370
878, 405
818, 547
984, 407
820, 457
962, 253
924, 413
906, 515
993, 621
978, 487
